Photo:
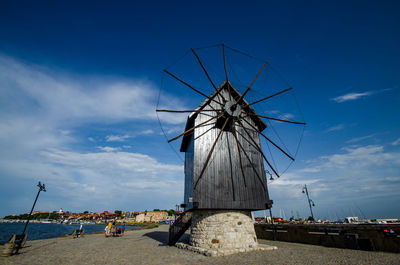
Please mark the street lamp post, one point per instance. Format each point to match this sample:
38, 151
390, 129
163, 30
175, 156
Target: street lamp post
310, 202
176, 210
41, 188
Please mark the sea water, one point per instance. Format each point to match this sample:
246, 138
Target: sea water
37, 231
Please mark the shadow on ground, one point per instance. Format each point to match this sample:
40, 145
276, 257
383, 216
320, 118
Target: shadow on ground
160, 236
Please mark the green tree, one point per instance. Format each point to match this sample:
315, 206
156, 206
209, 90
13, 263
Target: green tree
310, 218
10, 217
118, 212
171, 212
54, 216
24, 216
156, 210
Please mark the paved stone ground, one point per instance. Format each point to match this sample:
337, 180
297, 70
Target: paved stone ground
149, 247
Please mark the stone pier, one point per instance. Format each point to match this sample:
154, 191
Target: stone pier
222, 232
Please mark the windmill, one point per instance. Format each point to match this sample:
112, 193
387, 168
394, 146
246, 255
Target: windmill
225, 165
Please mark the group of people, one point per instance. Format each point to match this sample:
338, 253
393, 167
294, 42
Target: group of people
112, 230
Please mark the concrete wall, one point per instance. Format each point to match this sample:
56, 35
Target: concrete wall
354, 236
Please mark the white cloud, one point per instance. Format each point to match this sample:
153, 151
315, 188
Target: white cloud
361, 157
101, 180
278, 114
147, 132
362, 174
352, 96
65, 132
309, 170
396, 142
122, 138
362, 138
286, 116
335, 128
108, 148
61, 97
117, 138
394, 179
355, 96
41, 112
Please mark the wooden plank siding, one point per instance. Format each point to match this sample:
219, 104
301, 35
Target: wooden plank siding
222, 185
189, 154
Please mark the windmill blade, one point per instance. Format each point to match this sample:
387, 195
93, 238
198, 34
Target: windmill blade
275, 119
223, 54
258, 148
269, 140
210, 153
276, 94
208, 77
194, 127
251, 163
191, 87
226, 73
240, 155
247, 90
247, 140
180, 111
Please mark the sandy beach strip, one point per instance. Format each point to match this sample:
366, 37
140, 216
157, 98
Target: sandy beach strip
149, 246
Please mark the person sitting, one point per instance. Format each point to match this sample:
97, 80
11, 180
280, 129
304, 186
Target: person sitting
107, 230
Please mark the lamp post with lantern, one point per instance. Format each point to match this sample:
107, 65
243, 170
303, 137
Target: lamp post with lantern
310, 202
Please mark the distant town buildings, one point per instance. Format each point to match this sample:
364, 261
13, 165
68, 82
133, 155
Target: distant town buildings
119, 216
157, 216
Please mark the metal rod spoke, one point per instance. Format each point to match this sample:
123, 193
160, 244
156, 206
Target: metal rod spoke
251, 163
247, 90
179, 111
240, 155
275, 119
269, 140
191, 87
204, 69
194, 127
276, 94
258, 148
226, 73
231, 166
208, 76
210, 153
223, 53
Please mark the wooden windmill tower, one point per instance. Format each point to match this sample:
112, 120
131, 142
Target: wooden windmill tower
224, 167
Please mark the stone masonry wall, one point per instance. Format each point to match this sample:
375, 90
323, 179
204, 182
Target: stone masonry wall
223, 229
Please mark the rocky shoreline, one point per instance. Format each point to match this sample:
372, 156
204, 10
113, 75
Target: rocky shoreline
149, 246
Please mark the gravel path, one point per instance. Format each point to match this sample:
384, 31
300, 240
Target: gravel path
149, 247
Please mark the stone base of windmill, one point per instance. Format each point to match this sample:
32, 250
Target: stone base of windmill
222, 232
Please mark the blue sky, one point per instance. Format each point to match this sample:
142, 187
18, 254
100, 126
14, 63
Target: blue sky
79, 85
